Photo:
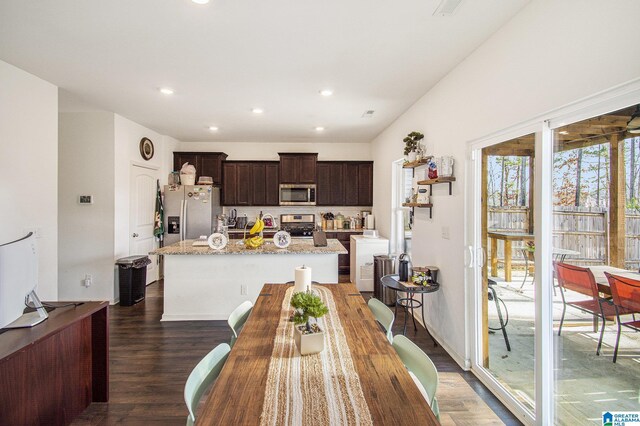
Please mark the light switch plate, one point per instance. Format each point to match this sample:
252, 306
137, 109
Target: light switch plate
445, 232
85, 199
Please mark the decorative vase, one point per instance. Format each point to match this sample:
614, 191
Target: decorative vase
412, 156
308, 343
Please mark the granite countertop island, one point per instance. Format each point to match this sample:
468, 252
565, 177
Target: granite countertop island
201, 283
237, 247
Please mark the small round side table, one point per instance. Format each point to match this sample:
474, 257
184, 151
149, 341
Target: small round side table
409, 303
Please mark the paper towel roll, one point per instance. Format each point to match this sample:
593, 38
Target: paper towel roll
371, 222
303, 279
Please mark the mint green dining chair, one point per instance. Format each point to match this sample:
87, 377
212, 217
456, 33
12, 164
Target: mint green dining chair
203, 374
420, 365
383, 315
237, 319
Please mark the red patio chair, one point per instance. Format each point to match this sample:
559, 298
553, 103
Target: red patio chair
626, 300
581, 280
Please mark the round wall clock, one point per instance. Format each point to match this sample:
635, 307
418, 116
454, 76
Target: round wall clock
146, 148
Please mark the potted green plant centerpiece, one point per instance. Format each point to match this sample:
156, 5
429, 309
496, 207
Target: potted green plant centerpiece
309, 337
411, 145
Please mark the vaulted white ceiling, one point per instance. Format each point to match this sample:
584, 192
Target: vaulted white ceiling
224, 58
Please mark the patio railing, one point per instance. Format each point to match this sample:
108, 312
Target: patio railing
574, 228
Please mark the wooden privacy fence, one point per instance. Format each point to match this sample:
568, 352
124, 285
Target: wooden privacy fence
574, 228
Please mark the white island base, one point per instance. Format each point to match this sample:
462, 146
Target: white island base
198, 286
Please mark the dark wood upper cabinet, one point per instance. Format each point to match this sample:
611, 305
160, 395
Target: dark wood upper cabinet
259, 186
272, 184
323, 184
230, 184
298, 168
211, 165
365, 184
206, 163
179, 158
245, 184
351, 184
330, 183
288, 169
250, 183
345, 183
307, 168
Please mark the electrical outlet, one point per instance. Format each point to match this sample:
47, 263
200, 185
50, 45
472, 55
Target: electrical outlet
243, 289
445, 232
87, 280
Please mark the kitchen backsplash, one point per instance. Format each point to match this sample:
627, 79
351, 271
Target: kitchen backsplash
276, 211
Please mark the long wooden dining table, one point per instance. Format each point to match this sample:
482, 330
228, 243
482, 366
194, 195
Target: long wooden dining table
390, 393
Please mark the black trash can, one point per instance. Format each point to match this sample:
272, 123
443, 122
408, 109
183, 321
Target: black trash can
133, 278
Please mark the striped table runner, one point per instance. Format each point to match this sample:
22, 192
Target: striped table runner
319, 389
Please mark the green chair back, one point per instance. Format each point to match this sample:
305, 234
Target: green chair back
237, 319
421, 366
383, 315
202, 376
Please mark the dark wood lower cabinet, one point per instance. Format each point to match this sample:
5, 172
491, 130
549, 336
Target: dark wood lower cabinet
50, 373
240, 235
344, 260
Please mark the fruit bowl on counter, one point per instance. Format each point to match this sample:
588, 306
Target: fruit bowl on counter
255, 238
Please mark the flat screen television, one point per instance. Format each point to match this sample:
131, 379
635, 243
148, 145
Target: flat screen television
18, 282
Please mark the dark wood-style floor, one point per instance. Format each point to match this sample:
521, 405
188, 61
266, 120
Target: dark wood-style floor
151, 360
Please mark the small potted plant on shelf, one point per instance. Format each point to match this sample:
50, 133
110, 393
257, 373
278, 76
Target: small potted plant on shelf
309, 337
411, 142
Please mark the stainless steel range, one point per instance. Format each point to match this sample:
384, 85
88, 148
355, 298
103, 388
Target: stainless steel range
298, 225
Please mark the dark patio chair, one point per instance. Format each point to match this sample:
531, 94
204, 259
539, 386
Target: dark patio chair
581, 280
626, 300
493, 295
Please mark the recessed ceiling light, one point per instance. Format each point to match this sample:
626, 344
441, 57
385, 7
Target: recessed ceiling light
166, 91
319, 129
563, 132
326, 92
200, 1
257, 110
213, 128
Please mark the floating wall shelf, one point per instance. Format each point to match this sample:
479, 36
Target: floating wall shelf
414, 164
436, 181
419, 205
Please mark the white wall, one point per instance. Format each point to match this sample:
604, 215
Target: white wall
269, 151
550, 54
29, 164
86, 237
127, 139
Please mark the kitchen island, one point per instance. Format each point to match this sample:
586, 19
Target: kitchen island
205, 284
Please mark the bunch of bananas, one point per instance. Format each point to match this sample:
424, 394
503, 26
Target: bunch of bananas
255, 240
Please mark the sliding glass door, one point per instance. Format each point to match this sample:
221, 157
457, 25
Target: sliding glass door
552, 206
596, 170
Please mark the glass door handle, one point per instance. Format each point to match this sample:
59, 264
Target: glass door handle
482, 256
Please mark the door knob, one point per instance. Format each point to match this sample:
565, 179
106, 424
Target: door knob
134, 235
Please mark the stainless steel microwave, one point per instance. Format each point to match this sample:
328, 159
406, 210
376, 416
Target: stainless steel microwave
294, 194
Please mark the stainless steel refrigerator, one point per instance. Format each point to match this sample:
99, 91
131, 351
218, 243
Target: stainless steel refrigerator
190, 211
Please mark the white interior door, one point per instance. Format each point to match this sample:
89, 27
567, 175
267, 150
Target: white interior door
141, 216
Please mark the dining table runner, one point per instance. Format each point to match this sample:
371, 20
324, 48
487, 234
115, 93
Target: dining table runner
318, 389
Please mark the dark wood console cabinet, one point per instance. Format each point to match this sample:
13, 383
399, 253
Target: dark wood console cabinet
51, 372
